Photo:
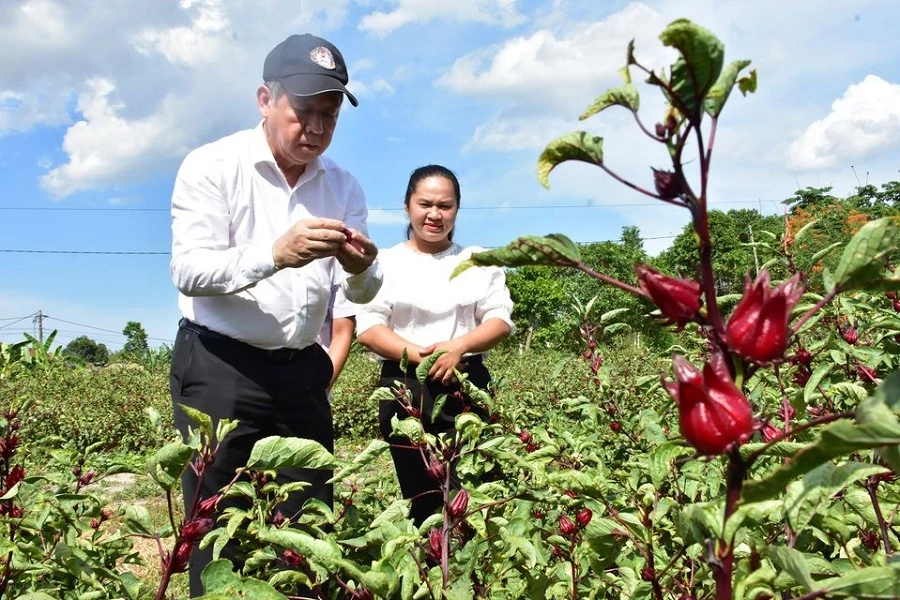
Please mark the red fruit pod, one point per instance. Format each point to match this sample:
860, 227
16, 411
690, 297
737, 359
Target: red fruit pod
584, 517
458, 506
758, 329
292, 558
207, 507
524, 436
677, 299
803, 357
566, 526
435, 544
193, 531
615, 426
850, 335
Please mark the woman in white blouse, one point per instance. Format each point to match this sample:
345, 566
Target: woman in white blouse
420, 309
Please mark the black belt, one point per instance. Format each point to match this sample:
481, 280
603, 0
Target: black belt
278, 354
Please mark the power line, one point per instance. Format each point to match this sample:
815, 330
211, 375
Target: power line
119, 333
167, 253
16, 320
391, 209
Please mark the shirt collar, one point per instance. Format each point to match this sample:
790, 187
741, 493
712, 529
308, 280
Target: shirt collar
261, 153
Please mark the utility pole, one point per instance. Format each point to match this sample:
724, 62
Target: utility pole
39, 319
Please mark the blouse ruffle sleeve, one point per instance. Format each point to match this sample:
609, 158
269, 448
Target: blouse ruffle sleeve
496, 303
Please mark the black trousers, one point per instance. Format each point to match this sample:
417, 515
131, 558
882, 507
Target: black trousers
412, 473
278, 392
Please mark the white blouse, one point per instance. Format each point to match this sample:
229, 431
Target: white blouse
421, 304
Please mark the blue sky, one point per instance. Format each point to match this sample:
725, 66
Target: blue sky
99, 102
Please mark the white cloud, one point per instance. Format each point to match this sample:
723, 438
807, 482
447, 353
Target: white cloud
408, 12
364, 89
104, 146
865, 120
546, 69
378, 216
203, 41
510, 134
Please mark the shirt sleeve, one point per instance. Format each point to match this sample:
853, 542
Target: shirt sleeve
341, 307
376, 312
362, 287
496, 303
202, 263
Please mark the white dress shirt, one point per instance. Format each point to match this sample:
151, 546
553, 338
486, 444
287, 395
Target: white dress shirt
421, 304
229, 205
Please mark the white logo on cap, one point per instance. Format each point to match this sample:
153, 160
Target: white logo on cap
322, 57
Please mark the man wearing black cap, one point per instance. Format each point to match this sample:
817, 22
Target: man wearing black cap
262, 226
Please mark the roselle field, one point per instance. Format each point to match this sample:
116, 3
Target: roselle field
718, 421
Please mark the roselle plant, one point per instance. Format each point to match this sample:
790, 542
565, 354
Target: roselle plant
716, 416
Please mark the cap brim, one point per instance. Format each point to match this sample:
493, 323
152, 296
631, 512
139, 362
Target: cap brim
314, 84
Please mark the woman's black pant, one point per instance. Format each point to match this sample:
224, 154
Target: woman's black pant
412, 473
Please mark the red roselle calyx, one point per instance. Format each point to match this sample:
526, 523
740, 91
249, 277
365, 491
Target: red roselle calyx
713, 413
436, 469
524, 436
435, 544
348, 234
193, 531
566, 526
459, 504
758, 328
769, 432
803, 357
667, 185
850, 336
584, 517
207, 507
866, 374
677, 299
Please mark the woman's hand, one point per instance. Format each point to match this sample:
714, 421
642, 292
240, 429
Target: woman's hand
443, 368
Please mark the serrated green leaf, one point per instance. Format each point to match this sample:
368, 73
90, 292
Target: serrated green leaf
625, 95
661, 459
578, 145
554, 249
167, 464
719, 92
863, 258
372, 452
424, 367
699, 66
872, 583
220, 581
274, 453
793, 563
836, 439
201, 419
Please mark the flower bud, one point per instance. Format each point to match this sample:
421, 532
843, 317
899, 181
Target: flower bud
713, 413
87, 478
584, 517
667, 184
459, 504
436, 470
677, 299
768, 432
435, 544
566, 526
193, 531
758, 328
278, 519
660, 130
207, 507
292, 558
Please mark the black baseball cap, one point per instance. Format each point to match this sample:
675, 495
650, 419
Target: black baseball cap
306, 65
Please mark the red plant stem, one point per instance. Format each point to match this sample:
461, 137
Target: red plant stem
635, 187
872, 488
722, 571
707, 277
709, 147
825, 300
751, 458
574, 566
649, 133
611, 280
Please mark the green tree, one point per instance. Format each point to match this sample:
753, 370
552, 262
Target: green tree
88, 351
136, 345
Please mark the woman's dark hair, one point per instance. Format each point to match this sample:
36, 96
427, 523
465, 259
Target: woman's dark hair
424, 173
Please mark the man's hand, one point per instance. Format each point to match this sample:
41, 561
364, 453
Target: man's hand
308, 240
356, 252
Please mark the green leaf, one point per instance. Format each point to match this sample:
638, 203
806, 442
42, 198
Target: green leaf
578, 145
698, 522
718, 94
273, 453
863, 258
809, 496
661, 461
626, 95
821, 253
324, 552
201, 419
167, 464
699, 66
872, 583
812, 386
837, 439
137, 519
219, 581
424, 367
554, 249
374, 450
793, 563
404, 359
